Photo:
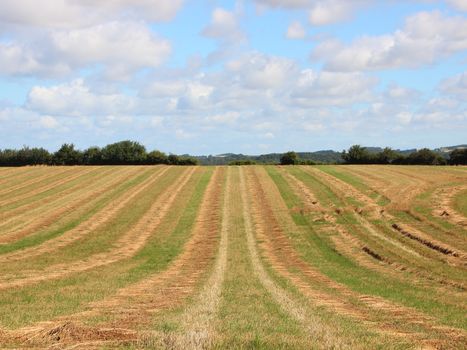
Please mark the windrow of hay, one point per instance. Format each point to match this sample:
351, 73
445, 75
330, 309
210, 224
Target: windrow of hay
105, 215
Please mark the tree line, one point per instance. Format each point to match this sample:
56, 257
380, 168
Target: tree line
119, 153
360, 155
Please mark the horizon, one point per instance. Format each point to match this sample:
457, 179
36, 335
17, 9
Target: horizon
50, 150
215, 77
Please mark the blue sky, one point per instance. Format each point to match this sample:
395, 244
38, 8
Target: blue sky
257, 76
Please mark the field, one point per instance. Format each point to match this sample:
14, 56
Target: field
253, 257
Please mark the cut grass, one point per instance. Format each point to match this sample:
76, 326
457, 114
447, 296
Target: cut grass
282, 276
48, 234
318, 251
460, 202
50, 299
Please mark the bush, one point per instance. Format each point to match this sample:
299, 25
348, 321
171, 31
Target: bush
289, 158
458, 157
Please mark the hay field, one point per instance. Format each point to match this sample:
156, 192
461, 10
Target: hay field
254, 257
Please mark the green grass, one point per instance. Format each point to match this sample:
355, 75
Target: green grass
340, 173
316, 249
250, 315
460, 202
45, 235
52, 298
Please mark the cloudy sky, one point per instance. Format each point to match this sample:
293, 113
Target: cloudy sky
251, 76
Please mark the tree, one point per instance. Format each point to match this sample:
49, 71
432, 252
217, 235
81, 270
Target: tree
357, 155
124, 152
458, 157
289, 158
157, 157
67, 155
92, 156
425, 156
386, 156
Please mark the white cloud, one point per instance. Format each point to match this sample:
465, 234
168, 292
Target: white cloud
321, 12
224, 26
122, 47
332, 11
455, 86
77, 99
313, 127
404, 117
156, 121
223, 118
259, 71
296, 31
17, 59
48, 122
426, 38
458, 4
332, 88
129, 45
402, 94
285, 3
78, 13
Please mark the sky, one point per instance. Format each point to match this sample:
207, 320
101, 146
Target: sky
245, 76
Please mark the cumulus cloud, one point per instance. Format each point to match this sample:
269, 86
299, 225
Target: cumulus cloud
285, 3
332, 11
77, 99
455, 86
57, 37
122, 47
296, 31
426, 38
131, 45
458, 4
17, 59
321, 12
224, 26
260, 71
48, 122
332, 88
68, 14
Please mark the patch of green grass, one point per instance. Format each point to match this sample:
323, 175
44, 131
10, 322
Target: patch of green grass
248, 316
338, 171
317, 250
45, 235
460, 202
52, 298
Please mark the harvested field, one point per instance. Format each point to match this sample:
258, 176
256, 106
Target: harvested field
296, 257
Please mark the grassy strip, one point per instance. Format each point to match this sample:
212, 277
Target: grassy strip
17, 176
41, 237
343, 327
52, 187
460, 202
50, 299
45, 180
248, 317
36, 209
319, 251
103, 238
341, 173
431, 261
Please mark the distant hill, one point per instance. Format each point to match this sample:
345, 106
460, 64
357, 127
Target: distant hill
324, 156
449, 148
327, 156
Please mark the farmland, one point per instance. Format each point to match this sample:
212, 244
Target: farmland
302, 257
